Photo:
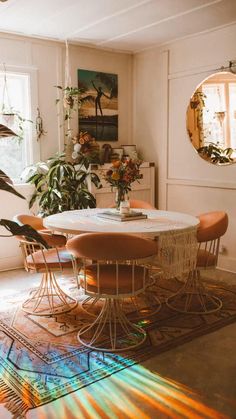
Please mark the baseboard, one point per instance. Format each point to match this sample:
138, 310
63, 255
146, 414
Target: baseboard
12, 262
226, 263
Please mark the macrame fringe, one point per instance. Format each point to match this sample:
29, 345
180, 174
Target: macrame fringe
12, 402
177, 252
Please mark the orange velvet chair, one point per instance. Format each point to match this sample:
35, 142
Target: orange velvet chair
111, 272
193, 297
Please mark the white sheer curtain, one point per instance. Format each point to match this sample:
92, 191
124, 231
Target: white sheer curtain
232, 114
213, 125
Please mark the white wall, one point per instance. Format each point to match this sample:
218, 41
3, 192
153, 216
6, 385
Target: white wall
47, 58
164, 80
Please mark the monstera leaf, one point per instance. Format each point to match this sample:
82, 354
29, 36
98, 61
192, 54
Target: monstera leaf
26, 230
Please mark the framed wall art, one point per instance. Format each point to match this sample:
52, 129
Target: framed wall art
98, 113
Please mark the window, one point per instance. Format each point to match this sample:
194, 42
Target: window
16, 95
214, 107
219, 113
232, 114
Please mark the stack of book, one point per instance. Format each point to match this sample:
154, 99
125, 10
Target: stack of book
130, 216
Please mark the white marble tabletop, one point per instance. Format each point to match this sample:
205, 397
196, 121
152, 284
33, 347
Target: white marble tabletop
84, 221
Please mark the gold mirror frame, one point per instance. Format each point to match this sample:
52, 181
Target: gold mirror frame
211, 118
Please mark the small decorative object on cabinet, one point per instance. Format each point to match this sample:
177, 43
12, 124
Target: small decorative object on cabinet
130, 151
144, 189
117, 153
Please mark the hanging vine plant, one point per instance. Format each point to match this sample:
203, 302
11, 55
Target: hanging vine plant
71, 97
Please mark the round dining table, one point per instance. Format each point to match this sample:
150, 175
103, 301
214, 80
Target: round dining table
175, 232
89, 221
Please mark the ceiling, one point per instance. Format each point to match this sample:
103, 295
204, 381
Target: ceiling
124, 25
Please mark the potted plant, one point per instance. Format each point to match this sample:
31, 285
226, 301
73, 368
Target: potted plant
71, 100
216, 154
61, 185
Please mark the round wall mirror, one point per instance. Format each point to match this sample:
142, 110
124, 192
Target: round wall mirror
211, 119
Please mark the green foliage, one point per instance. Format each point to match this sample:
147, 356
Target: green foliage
62, 186
11, 226
25, 230
71, 97
4, 185
215, 154
19, 122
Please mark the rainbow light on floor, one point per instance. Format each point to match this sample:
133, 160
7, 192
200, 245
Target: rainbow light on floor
132, 393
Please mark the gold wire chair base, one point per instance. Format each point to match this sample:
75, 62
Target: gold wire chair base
48, 299
111, 331
193, 298
141, 306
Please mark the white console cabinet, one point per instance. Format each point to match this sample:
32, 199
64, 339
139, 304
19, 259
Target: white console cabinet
143, 189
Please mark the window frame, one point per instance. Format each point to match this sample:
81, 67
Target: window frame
33, 146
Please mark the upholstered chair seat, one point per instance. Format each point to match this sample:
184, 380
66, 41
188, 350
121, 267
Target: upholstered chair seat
51, 258
107, 279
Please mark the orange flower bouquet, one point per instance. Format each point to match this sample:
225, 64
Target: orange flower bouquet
121, 175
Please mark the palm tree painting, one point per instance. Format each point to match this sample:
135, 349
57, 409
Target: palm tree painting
98, 113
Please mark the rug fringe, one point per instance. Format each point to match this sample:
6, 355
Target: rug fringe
12, 402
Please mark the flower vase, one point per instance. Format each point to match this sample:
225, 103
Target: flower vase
122, 200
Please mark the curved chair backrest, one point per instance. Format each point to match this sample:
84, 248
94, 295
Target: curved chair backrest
38, 258
212, 226
32, 220
53, 240
111, 246
137, 203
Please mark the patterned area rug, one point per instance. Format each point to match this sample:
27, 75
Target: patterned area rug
41, 359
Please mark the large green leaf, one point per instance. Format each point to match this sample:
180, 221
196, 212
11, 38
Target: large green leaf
25, 230
4, 176
33, 199
4, 186
6, 132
